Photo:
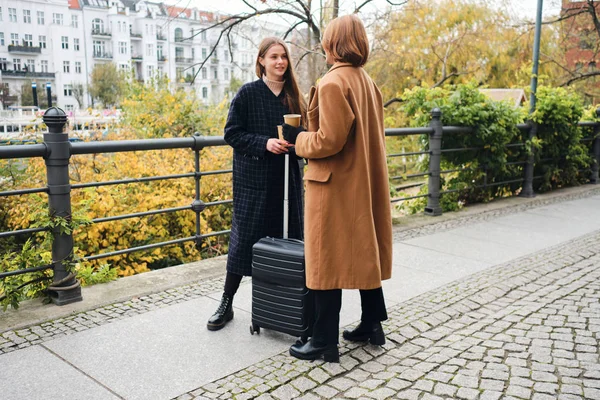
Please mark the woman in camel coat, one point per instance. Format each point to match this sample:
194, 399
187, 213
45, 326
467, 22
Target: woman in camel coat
348, 227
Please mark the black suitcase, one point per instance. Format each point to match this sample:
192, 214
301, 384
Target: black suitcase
280, 299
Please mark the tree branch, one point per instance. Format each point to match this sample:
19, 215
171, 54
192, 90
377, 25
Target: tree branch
581, 77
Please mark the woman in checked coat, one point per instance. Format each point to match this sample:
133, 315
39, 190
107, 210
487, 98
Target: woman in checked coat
258, 166
348, 236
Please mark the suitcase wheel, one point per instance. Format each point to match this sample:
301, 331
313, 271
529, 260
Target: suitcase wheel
254, 328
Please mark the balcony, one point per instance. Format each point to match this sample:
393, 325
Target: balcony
136, 36
161, 58
160, 36
137, 57
214, 60
183, 40
102, 55
24, 49
9, 73
101, 33
184, 60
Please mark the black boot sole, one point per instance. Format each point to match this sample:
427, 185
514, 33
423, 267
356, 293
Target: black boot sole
329, 355
216, 327
376, 338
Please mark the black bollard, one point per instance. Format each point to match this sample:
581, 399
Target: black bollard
49, 93
65, 288
34, 91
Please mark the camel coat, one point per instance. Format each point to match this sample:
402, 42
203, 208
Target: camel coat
348, 223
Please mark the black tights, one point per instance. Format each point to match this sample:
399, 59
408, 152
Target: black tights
232, 283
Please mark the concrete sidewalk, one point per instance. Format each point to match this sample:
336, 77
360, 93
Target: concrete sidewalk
498, 301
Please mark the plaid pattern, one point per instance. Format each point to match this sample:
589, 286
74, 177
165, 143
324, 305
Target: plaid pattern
258, 183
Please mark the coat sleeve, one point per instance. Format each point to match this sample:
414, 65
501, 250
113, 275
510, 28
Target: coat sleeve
335, 123
236, 134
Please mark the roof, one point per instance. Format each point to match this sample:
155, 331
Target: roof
74, 4
516, 96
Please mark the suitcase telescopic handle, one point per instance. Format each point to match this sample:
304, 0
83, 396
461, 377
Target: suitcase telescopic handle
286, 196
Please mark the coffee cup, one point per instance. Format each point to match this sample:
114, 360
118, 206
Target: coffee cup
292, 119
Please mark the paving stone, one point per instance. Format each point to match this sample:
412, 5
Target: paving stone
518, 391
443, 389
466, 393
303, 384
490, 395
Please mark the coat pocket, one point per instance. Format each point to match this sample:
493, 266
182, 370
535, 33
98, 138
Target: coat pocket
317, 173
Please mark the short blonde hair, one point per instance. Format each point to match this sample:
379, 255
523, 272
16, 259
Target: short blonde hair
345, 38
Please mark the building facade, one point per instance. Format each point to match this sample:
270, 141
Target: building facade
58, 43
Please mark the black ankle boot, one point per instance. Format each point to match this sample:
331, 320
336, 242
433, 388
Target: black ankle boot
366, 331
308, 351
223, 315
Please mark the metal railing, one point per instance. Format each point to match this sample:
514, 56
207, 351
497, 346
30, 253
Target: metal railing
57, 151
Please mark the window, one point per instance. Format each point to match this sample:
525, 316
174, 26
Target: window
204, 93
193, 53
14, 39
203, 36
0, 13
160, 71
179, 73
215, 73
204, 54
69, 107
64, 42
31, 65
226, 55
98, 47
159, 51
122, 47
178, 35
3, 67
16, 64
12, 14
74, 21
226, 74
150, 50
66, 67
149, 71
178, 52
42, 39
123, 67
27, 16
28, 40
44, 65
40, 18
68, 90
204, 73
76, 44
77, 67
1, 38
57, 18
97, 26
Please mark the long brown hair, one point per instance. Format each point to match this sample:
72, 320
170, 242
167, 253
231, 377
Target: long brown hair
293, 98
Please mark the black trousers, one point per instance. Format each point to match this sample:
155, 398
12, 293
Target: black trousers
328, 304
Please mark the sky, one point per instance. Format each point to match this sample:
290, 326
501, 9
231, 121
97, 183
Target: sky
523, 8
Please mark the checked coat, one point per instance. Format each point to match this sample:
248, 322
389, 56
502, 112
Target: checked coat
258, 182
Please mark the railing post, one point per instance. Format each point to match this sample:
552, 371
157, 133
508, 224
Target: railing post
527, 190
65, 288
198, 205
594, 179
435, 156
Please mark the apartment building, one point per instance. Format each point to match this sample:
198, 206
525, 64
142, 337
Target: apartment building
58, 42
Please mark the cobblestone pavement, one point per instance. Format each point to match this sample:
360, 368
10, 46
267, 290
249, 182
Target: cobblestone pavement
527, 329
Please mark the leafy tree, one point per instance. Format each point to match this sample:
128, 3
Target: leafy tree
78, 93
450, 41
26, 95
107, 84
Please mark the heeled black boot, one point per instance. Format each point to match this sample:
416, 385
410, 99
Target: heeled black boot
308, 351
366, 331
223, 315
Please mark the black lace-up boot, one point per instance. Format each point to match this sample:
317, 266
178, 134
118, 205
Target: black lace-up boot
223, 315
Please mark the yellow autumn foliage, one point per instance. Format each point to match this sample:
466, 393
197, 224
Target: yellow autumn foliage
148, 112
